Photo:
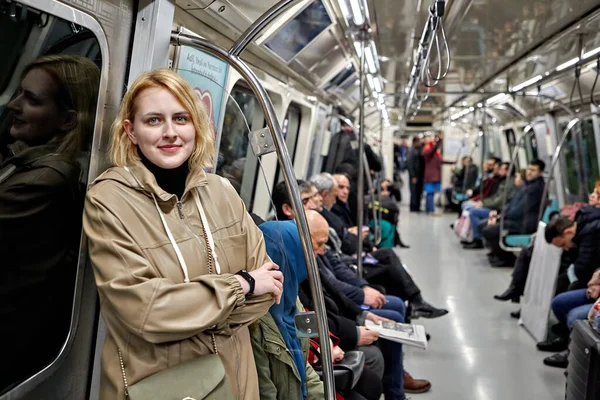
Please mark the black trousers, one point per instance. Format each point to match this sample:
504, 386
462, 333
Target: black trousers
491, 233
391, 275
521, 271
416, 194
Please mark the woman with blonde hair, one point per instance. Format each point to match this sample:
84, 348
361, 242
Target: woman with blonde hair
41, 200
180, 266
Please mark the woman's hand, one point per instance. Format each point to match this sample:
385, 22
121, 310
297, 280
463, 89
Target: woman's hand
267, 279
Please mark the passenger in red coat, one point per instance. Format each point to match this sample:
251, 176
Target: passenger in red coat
433, 169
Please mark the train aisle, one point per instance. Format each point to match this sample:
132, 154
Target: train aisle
477, 351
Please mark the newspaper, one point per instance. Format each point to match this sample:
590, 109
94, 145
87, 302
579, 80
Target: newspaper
411, 335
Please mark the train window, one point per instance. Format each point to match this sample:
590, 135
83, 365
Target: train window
236, 160
590, 154
49, 79
291, 131
584, 169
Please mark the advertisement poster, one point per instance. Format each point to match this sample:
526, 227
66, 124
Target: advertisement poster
208, 76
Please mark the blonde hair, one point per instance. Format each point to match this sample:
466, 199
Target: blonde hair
122, 150
77, 79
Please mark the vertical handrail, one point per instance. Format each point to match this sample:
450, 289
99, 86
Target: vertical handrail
528, 131
555, 158
290, 180
360, 185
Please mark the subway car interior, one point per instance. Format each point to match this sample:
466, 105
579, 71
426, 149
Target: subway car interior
439, 159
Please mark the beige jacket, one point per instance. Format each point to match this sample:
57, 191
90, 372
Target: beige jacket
156, 319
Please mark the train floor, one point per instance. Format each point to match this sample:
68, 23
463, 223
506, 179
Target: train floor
477, 351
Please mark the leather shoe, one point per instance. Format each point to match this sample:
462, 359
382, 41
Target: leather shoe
412, 385
500, 263
558, 360
426, 310
516, 314
477, 244
558, 344
509, 294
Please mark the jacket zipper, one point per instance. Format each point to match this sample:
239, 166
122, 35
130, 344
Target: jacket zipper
180, 209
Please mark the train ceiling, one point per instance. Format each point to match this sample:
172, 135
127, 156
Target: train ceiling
495, 45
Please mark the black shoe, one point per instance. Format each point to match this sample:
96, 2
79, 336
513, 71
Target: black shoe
403, 246
555, 345
426, 310
516, 314
509, 294
477, 244
558, 360
427, 336
500, 263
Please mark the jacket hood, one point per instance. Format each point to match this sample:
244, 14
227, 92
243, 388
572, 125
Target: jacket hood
138, 177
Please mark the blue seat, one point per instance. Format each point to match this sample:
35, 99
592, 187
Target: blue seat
460, 197
523, 240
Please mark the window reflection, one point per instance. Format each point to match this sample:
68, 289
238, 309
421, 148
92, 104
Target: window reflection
45, 128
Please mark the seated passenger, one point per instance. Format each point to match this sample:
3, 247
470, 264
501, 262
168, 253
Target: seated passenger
519, 276
569, 307
490, 183
520, 218
493, 201
388, 272
286, 374
479, 213
583, 234
41, 202
344, 279
463, 180
396, 382
171, 246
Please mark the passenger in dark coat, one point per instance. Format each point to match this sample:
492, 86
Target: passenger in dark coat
416, 171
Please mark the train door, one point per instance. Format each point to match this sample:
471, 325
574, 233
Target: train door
52, 78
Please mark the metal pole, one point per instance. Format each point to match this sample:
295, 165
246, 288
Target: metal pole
290, 180
361, 167
482, 162
258, 25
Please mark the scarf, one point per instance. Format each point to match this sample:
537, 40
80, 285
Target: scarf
283, 245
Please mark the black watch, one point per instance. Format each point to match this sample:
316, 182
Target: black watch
246, 275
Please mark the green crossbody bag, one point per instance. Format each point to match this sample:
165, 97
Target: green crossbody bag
201, 378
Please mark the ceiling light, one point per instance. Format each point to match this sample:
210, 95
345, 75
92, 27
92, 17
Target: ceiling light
591, 53
464, 103
479, 105
357, 12
471, 109
526, 83
496, 99
357, 48
567, 64
344, 7
370, 81
370, 57
377, 86
461, 114
384, 114
381, 99
453, 124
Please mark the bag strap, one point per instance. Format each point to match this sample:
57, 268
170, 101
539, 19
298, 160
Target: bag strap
182, 263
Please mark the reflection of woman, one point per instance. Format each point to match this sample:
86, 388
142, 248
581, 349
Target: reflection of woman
170, 245
40, 206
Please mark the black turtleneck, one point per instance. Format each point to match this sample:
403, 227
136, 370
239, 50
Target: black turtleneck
170, 180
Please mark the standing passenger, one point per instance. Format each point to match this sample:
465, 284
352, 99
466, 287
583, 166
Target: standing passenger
416, 169
170, 246
433, 170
